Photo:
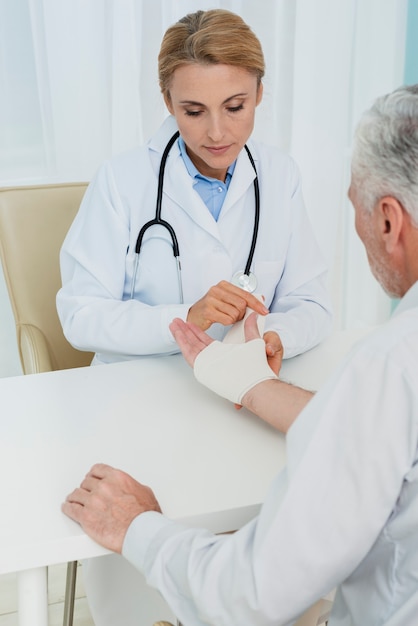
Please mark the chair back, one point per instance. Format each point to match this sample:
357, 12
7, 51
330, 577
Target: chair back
33, 225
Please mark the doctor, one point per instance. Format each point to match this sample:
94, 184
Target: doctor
119, 304
210, 71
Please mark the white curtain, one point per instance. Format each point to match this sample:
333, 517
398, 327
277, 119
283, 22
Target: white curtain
78, 80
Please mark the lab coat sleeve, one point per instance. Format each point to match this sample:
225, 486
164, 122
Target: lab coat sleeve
348, 453
94, 312
301, 311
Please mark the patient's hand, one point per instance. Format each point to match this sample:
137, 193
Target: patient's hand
106, 503
192, 340
274, 350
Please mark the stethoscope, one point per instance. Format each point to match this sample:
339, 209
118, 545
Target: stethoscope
243, 278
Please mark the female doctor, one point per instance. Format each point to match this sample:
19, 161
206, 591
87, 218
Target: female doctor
231, 203
210, 71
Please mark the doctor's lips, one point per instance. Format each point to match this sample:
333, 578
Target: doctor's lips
216, 150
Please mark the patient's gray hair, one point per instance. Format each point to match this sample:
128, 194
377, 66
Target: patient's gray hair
385, 153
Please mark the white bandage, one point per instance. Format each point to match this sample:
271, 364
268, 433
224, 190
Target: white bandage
231, 370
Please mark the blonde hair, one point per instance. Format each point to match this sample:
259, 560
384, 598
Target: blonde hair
209, 37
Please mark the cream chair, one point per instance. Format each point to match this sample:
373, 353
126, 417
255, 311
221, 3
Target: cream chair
33, 224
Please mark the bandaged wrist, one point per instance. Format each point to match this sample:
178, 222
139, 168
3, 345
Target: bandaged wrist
231, 370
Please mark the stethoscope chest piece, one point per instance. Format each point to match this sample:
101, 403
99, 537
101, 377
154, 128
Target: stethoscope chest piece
248, 282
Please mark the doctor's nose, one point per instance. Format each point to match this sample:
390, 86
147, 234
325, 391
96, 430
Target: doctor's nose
215, 130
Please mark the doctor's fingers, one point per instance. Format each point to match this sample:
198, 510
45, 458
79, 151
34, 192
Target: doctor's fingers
210, 310
256, 304
241, 299
219, 305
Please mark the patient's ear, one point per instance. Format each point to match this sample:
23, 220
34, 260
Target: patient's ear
391, 217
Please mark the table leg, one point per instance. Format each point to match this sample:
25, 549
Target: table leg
32, 593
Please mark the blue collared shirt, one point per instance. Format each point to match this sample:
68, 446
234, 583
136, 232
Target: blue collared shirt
211, 190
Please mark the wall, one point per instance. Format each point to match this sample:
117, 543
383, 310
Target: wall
411, 56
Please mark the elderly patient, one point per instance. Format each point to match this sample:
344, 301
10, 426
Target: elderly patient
344, 512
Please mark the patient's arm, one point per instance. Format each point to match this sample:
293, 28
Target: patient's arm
240, 373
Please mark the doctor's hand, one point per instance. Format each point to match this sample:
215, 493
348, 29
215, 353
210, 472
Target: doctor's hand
106, 503
225, 304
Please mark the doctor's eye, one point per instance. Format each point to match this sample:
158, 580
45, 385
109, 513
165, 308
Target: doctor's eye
236, 109
193, 113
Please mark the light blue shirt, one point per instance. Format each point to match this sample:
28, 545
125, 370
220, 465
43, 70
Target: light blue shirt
211, 190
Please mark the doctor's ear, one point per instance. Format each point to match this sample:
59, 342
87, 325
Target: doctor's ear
260, 91
168, 103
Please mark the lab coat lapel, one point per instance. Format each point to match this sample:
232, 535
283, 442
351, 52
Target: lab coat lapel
242, 179
178, 186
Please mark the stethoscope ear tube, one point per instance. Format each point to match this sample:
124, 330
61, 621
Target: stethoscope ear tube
256, 214
244, 278
157, 219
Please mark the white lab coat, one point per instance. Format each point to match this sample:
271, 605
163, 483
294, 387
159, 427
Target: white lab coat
98, 255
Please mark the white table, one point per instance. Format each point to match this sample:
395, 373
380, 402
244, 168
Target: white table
208, 464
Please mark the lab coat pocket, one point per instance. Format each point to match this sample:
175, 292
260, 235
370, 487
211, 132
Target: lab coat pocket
268, 274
